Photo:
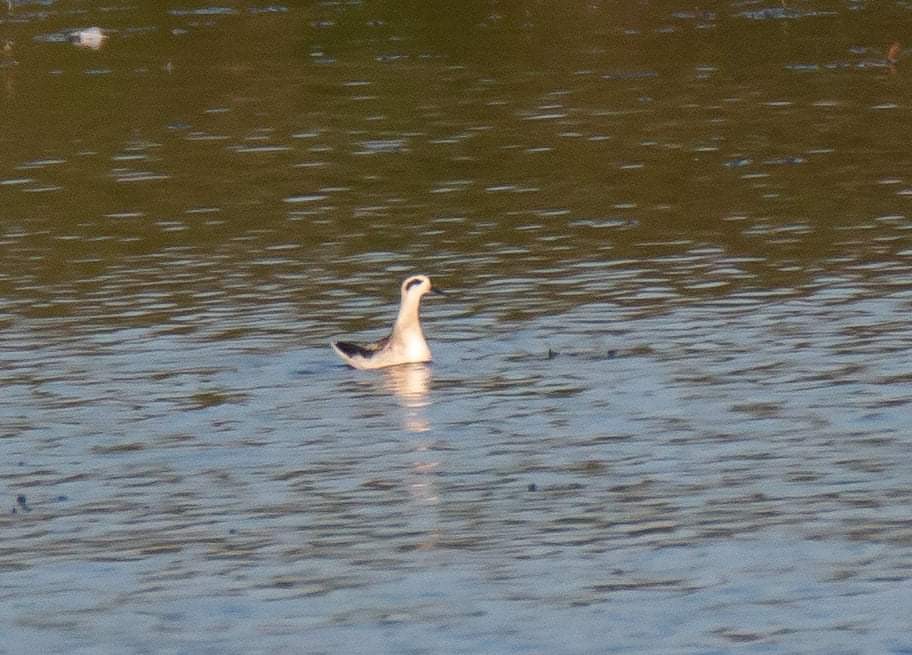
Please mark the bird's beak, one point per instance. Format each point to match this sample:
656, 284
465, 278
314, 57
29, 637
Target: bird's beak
437, 291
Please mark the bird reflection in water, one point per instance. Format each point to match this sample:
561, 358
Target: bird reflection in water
411, 384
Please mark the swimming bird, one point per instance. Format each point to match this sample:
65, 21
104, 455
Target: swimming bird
89, 37
405, 344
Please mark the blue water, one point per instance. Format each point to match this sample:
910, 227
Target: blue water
669, 405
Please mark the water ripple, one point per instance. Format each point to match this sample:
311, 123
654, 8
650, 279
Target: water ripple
670, 372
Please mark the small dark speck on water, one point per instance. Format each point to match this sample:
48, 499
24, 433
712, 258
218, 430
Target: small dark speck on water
532, 487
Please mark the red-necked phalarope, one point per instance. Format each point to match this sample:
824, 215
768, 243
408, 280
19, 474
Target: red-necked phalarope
405, 345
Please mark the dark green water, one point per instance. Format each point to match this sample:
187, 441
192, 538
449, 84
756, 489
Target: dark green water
700, 212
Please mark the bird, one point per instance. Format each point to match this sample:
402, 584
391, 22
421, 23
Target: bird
89, 37
405, 344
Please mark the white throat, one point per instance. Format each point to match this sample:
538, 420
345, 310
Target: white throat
407, 334
408, 320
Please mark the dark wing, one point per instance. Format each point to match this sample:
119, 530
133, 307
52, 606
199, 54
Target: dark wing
363, 349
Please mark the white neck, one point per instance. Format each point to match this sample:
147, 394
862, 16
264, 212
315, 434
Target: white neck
407, 321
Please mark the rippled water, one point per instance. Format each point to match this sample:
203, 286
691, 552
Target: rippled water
669, 407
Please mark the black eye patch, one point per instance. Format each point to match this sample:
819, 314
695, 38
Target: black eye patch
412, 283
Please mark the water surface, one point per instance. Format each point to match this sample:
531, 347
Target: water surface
669, 405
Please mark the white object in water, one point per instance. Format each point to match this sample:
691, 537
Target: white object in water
405, 345
89, 37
